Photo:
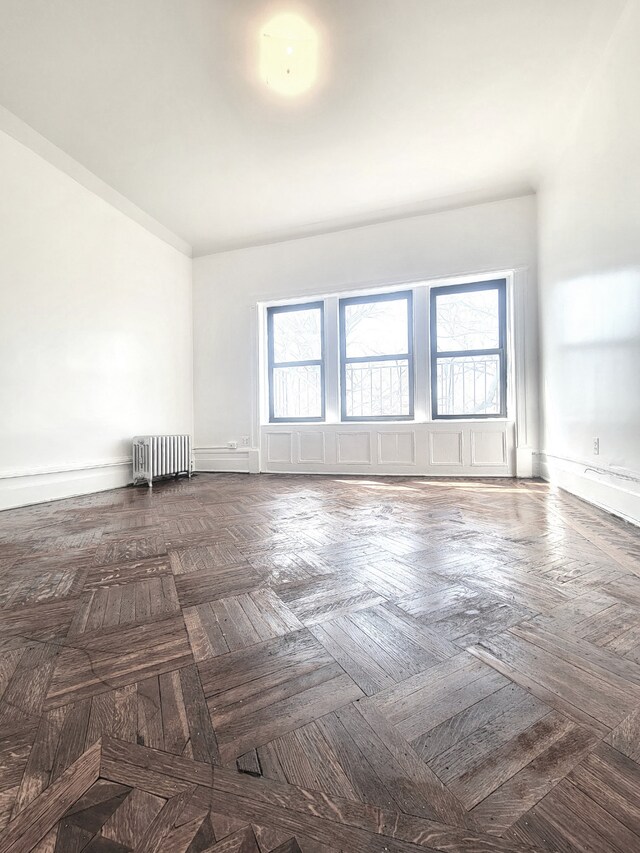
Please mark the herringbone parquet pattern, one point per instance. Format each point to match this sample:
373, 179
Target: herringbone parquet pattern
281, 664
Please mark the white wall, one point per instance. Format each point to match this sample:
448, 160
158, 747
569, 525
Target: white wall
590, 287
95, 334
484, 238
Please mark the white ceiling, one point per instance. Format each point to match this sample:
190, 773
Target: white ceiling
421, 102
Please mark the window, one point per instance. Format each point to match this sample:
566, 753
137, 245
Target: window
376, 357
378, 353
468, 346
296, 362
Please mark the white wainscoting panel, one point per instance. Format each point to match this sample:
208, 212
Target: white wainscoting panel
279, 447
396, 448
488, 447
354, 448
441, 449
445, 448
311, 447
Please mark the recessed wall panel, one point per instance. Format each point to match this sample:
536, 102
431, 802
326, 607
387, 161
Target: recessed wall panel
311, 447
279, 447
396, 448
354, 448
488, 448
445, 448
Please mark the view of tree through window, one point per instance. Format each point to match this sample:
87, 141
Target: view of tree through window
468, 350
376, 356
296, 370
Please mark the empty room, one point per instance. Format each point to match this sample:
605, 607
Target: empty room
319, 426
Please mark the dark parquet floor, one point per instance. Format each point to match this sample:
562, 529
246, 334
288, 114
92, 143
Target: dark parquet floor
275, 664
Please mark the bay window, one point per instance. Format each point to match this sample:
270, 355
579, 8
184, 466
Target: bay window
459, 353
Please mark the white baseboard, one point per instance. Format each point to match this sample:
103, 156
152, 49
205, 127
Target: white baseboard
597, 485
244, 460
22, 488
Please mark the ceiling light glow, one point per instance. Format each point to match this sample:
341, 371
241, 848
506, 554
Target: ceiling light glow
288, 55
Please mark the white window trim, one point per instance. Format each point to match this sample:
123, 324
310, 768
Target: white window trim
421, 349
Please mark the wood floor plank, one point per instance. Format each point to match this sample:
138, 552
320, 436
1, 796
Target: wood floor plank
581, 693
424, 794
453, 730
154, 838
173, 713
14, 754
626, 736
257, 727
620, 673
320, 600
355, 655
515, 797
198, 587
307, 665
129, 823
612, 781
467, 754
36, 819
292, 653
174, 767
99, 664
575, 821
202, 738
480, 780
25, 694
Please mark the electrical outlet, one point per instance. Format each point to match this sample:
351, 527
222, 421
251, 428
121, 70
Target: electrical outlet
596, 447
232, 445
245, 441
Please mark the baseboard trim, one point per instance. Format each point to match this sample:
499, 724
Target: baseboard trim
595, 484
34, 486
436, 473
222, 460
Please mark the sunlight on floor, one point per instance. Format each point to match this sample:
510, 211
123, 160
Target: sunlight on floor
481, 486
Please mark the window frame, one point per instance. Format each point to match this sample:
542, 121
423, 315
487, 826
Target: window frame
501, 350
388, 296
272, 364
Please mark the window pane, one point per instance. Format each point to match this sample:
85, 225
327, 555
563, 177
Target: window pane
297, 335
377, 389
376, 328
297, 392
469, 385
467, 320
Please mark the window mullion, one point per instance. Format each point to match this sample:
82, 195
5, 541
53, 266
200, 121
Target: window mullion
332, 360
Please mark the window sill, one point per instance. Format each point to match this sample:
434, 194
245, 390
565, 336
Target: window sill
402, 422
